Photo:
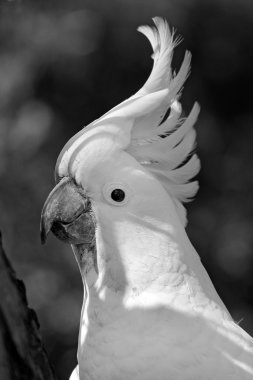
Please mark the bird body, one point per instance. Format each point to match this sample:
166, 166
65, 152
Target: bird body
150, 309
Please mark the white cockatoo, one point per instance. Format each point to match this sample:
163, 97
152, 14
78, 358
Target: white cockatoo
150, 309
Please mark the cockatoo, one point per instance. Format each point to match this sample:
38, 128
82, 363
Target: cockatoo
150, 309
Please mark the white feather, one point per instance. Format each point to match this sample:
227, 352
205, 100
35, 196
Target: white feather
162, 43
187, 171
164, 147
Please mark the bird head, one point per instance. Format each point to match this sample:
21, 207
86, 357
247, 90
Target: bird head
131, 163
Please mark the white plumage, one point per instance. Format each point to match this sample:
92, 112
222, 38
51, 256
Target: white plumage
150, 311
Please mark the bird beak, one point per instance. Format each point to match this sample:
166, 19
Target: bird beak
67, 213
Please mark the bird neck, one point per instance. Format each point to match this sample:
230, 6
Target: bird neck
143, 264
145, 256
149, 259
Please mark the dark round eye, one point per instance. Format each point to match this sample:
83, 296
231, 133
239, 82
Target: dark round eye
118, 195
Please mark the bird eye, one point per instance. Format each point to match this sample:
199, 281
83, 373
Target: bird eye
116, 193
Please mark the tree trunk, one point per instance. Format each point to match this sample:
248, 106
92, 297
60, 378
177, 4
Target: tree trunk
22, 355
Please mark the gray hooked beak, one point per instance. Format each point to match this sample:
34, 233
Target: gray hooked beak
67, 213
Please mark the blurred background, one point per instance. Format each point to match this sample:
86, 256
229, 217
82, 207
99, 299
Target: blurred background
64, 63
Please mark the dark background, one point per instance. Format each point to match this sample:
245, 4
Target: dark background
63, 64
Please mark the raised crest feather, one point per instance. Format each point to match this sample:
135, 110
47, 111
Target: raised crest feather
165, 147
149, 125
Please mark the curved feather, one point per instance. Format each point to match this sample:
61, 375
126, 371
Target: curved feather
163, 148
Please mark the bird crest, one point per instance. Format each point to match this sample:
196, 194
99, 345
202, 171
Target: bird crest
149, 125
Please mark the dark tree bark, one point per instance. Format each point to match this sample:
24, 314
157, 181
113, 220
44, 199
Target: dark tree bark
22, 355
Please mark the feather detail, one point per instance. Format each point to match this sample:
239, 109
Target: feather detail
186, 172
182, 75
134, 108
170, 141
162, 158
162, 44
165, 148
172, 120
152, 131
